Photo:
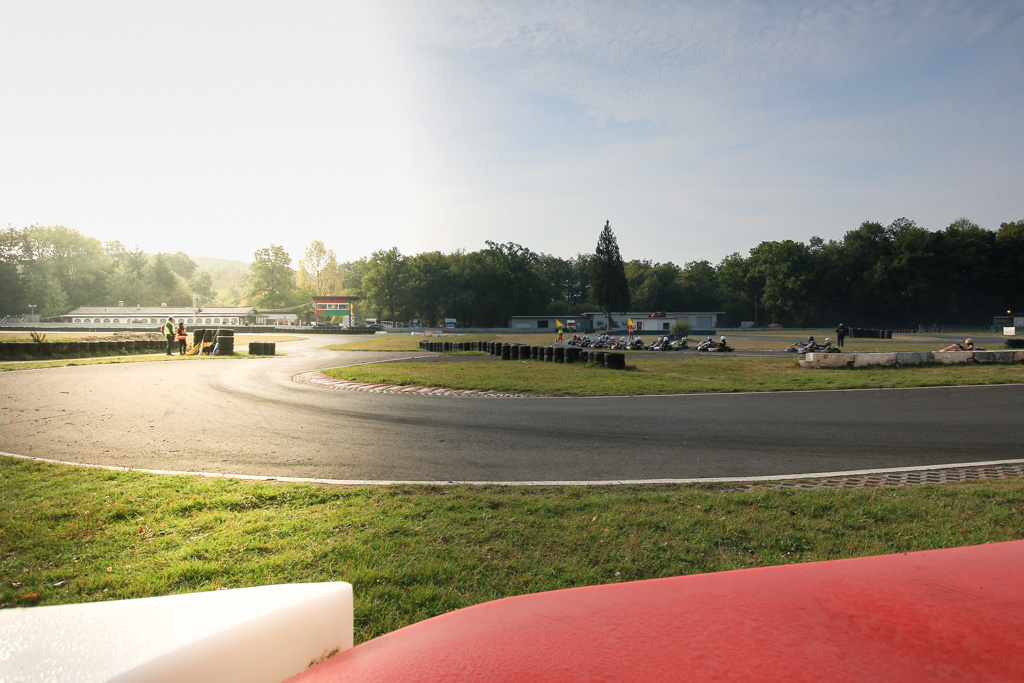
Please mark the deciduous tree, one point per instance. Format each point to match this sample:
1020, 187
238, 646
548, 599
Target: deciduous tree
386, 281
271, 279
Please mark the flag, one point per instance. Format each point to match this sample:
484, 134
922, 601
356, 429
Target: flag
630, 321
558, 324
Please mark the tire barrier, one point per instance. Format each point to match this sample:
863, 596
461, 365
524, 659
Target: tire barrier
870, 333
262, 349
226, 343
510, 351
78, 349
615, 361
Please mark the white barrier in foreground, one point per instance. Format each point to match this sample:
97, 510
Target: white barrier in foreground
857, 360
252, 635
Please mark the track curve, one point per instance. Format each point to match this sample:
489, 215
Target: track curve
247, 416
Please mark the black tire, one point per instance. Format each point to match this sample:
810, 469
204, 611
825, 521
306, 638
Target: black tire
615, 361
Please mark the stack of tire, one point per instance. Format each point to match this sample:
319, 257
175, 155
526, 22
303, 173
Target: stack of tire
262, 349
226, 343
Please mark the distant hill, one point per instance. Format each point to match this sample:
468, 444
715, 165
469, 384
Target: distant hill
224, 273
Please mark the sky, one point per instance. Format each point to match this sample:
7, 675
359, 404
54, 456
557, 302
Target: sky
696, 128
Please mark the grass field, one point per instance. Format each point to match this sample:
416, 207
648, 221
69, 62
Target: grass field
669, 372
70, 534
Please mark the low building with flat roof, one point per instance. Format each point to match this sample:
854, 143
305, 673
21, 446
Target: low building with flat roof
644, 322
119, 316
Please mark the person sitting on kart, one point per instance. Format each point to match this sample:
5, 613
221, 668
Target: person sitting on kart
968, 345
811, 345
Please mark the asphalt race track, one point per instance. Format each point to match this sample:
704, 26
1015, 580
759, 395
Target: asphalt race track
247, 416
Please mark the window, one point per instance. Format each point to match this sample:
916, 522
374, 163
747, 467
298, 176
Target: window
77, 320
542, 324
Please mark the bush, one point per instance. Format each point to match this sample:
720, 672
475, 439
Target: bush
682, 328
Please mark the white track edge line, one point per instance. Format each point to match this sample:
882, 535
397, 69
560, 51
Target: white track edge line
611, 482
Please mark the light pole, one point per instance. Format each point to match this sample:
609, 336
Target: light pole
32, 312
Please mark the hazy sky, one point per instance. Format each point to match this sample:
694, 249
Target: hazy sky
697, 128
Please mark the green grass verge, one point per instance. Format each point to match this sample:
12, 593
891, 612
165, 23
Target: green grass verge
670, 374
71, 534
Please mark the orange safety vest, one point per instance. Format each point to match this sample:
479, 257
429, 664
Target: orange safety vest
182, 336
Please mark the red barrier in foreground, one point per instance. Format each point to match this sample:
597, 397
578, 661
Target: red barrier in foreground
954, 614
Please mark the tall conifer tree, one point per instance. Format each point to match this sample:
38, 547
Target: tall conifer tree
609, 288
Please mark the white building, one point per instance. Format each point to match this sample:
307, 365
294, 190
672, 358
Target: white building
156, 316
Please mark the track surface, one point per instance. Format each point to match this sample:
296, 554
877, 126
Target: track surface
247, 416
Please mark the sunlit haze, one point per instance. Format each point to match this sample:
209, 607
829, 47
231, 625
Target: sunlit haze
697, 128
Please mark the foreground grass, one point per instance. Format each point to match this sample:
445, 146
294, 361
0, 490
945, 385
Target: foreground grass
670, 374
78, 535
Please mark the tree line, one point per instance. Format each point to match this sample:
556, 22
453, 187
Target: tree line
896, 275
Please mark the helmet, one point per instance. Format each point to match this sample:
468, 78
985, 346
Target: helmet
827, 339
810, 339
723, 337
968, 341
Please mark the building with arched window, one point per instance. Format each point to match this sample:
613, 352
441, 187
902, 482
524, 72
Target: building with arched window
156, 316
